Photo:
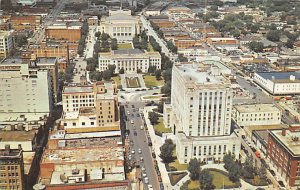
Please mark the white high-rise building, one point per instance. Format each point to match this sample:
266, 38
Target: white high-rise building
6, 43
201, 102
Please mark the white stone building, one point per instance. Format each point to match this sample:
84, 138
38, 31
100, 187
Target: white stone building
130, 60
279, 83
201, 102
27, 90
6, 43
120, 25
256, 114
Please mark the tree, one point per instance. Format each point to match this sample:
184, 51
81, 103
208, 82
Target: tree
289, 43
166, 151
228, 160
167, 74
158, 74
234, 173
96, 75
112, 69
139, 71
136, 42
151, 69
153, 117
154, 44
114, 44
85, 28
20, 40
106, 75
97, 47
121, 71
166, 89
182, 58
206, 180
273, 35
104, 37
171, 46
256, 46
194, 169
98, 34
160, 106
249, 170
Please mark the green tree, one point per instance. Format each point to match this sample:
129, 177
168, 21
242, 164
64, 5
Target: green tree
121, 71
158, 74
98, 34
139, 71
273, 35
153, 117
289, 43
106, 75
114, 44
96, 76
20, 40
136, 42
206, 180
85, 28
154, 44
160, 106
194, 169
97, 47
112, 69
234, 173
104, 37
256, 46
182, 58
91, 64
166, 89
249, 170
166, 151
167, 74
228, 160
171, 46
151, 69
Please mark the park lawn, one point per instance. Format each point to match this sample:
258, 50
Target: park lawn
160, 127
151, 81
117, 79
150, 48
176, 163
125, 46
132, 82
194, 185
218, 178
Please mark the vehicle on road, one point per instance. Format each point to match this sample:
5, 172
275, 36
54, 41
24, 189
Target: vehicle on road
146, 180
281, 183
143, 168
140, 151
141, 159
141, 127
144, 174
132, 152
131, 121
272, 172
135, 133
150, 187
128, 113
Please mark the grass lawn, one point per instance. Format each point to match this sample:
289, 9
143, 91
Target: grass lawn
132, 82
194, 185
117, 79
151, 81
150, 47
175, 177
125, 46
160, 127
178, 166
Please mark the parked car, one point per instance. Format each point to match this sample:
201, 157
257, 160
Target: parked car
272, 172
281, 183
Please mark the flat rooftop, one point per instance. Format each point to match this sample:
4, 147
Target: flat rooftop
93, 142
128, 51
17, 135
6, 118
198, 74
280, 76
76, 155
19, 61
78, 89
293, 146
251, 108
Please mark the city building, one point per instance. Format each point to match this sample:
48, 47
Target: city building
224, 43
256, 114
201, 102
130, 60
26, 89
279, 83
27, 2
6, 43
284, 153
64, 31
93, 21
90, 108
120, 25
11, 168
25, 22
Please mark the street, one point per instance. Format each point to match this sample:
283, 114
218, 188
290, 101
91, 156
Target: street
138, 136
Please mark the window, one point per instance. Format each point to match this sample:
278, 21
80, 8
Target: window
74, 124
83, 123
92, 123
195, 151
185, 151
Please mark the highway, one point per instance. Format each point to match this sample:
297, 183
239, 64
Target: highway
139, 138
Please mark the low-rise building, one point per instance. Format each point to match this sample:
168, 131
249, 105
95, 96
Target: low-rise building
93, 21
120, 25
24, 22
6, 43
64, 31
279, 83
284, 153
256, 114
224, 43
130, 60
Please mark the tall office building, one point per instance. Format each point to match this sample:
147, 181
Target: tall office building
201, 102
6, 43
11, 168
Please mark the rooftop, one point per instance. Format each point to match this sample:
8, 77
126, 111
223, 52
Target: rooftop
290, 141
19, 61
76, 155
17, 135
280, 76
128, 51
250, 108
78, 89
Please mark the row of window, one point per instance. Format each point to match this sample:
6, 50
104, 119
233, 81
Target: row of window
207, 150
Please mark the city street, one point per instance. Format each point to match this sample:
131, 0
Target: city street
139, 138
91, 40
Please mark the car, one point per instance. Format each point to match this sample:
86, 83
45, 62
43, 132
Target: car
141, 127
128, 113
132, 152
153, 155
272, 172
137, 115
143, 168
135, 133
131, 121
150, 187
133, 110
146, 180
140, 151
141, 159
161, 186
144, 174
281, 183
269, 181
132, 106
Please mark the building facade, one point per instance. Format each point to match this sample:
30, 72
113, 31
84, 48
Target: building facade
11, 168
279, 83
256, 114
6, 43
201, 102
130, 60
120, 25
27, 90
284, 154
70, 32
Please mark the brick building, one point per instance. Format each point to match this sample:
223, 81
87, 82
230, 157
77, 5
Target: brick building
69, 32
24, 22
284, 153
